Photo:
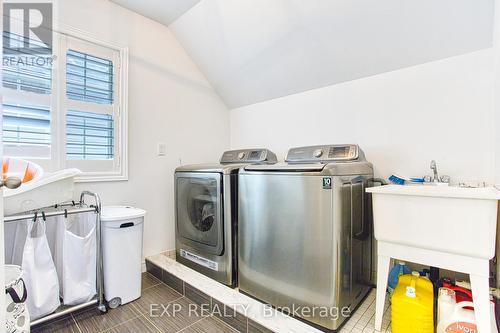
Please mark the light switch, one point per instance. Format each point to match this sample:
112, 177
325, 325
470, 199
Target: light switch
162, 149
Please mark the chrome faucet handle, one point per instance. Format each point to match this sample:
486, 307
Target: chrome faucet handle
445, 179
11, 182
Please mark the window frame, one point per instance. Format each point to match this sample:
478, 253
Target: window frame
64, 37
71, 39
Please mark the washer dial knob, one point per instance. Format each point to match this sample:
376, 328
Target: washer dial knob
318, 153
241, 155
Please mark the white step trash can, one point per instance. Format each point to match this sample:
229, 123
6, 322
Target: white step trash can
122, 230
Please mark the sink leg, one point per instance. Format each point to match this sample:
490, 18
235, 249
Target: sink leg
482, 309
382, 276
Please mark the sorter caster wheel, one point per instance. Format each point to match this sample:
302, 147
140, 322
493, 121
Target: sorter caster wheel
115, 302
102, 308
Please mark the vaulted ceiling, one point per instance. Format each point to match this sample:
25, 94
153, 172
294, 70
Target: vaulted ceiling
256, 50
163, 11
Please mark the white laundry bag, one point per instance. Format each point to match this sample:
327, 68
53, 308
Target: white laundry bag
15, 238
75, 256
39, 272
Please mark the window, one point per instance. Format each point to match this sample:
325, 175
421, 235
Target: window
89, 78
89, 136
69, 112
27, 103
19, 73
26, 130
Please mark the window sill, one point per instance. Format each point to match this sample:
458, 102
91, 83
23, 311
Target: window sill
96, 178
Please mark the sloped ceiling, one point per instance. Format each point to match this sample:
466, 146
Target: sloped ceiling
256, 50
163, 11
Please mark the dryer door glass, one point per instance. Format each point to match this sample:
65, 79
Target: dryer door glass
199, 209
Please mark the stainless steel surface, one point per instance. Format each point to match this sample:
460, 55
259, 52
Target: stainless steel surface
100, 265
435, 170
231, 161
15, 218
305, 235
326, 153
225, 169
222, 252
258, 155
332, 169
206, 213
318, 153
286, 167
11, 182
63, 312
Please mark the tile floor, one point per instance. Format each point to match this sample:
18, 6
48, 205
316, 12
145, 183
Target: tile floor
135, 317
363, 320
174, 274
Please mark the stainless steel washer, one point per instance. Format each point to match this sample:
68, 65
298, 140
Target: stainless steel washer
206, 213
305, 237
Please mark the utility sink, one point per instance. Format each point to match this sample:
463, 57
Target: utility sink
442, 218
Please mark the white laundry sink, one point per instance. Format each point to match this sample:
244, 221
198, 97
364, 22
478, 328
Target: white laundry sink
441, 218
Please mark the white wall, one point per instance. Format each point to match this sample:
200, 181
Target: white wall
496, 95
402, 119
169, 101
256, 50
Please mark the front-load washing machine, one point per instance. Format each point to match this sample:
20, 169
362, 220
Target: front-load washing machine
207, 213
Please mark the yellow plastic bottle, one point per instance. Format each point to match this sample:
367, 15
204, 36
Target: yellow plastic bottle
413, 305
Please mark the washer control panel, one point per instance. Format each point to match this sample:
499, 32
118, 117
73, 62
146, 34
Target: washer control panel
327, 153
248, 156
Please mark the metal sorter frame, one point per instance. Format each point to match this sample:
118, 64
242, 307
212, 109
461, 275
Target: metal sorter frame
76, 208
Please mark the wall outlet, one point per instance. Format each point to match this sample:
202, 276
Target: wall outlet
162, 149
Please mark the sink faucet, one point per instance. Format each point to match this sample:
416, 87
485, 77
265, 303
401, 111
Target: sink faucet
436, 179
435, 169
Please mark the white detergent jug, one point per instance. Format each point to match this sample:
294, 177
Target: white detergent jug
454, 318
459, 320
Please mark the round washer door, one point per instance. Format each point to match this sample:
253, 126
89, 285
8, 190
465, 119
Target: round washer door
199, 210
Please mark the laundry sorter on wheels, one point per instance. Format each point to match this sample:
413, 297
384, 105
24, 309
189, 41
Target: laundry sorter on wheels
31, 248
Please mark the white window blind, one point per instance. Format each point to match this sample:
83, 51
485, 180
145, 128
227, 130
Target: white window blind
26, 125
89, 78
22, 72
90, 136
26, 109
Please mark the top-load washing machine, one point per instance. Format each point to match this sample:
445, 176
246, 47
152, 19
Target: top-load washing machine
305, 233
206, 199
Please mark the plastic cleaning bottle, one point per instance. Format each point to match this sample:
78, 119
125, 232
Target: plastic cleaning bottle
413, 305
399, 269
457, 317
459, 320
446, 303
